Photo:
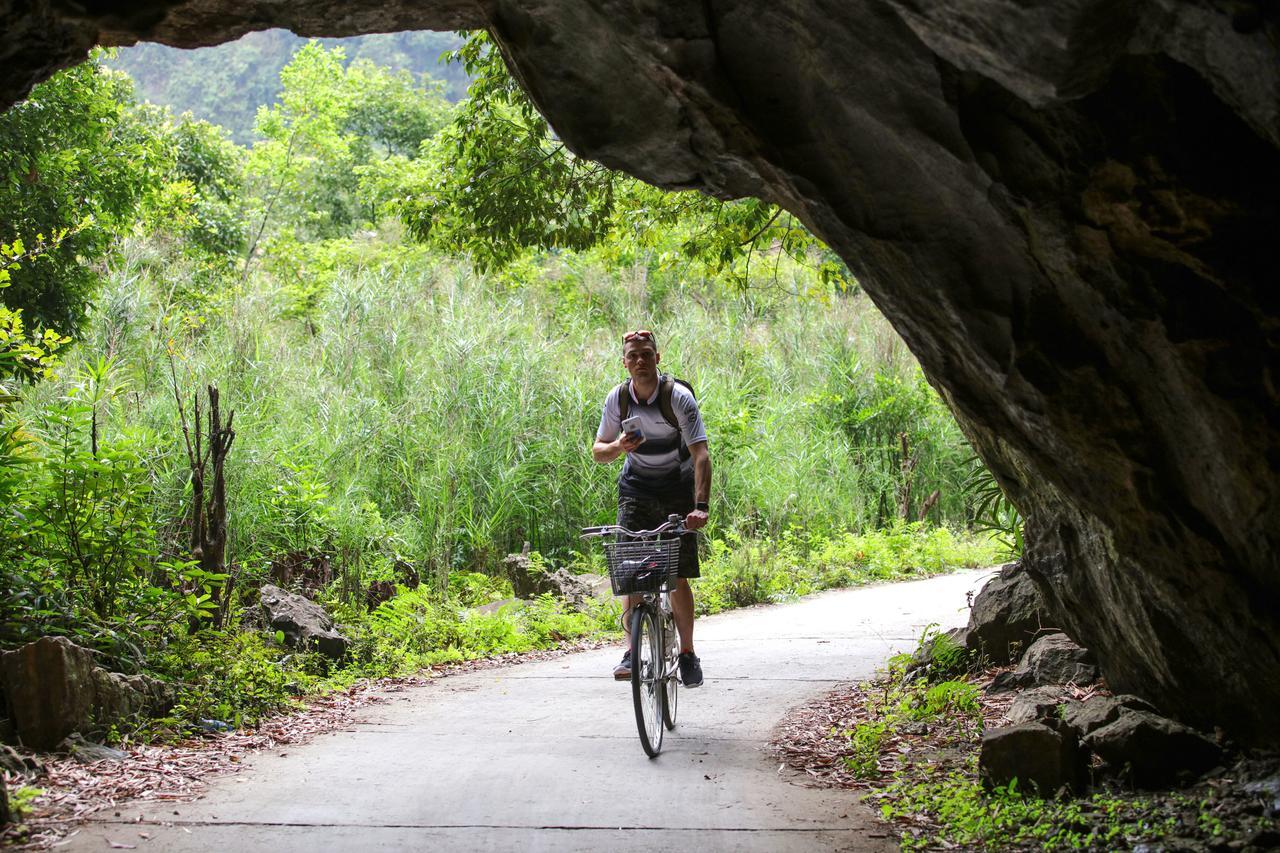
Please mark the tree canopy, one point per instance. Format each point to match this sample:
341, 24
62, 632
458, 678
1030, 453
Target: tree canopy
498, 182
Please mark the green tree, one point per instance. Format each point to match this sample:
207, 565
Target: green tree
498, 182
74, 160
330, 121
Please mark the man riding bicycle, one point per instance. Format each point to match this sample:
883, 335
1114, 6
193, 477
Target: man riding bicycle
667, 470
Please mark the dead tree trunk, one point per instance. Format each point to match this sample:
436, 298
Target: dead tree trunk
904, 488
207, 455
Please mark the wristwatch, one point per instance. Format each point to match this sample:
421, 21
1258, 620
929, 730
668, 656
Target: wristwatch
702, 505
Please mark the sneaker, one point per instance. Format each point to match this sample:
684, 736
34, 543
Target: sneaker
622, 671
690, 670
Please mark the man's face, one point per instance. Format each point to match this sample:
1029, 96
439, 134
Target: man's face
641, 360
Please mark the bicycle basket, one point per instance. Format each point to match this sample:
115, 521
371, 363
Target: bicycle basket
641, 565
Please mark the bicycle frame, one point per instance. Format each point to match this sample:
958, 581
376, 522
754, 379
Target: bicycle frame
650, 624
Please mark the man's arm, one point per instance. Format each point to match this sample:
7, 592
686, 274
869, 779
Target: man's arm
607, 451
701, 484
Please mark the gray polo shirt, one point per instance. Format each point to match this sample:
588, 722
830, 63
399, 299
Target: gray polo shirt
655, 467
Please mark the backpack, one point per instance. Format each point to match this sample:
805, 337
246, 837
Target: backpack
666, 385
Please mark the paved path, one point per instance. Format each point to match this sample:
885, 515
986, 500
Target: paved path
544, 756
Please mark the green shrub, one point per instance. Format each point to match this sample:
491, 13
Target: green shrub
231, 677
865, 741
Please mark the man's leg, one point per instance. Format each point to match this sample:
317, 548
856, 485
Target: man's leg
682, 609
630, 602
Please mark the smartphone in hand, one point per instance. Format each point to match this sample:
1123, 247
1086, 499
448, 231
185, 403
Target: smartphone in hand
631, 426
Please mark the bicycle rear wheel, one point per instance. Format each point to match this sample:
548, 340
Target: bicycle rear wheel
646, 678
671, 663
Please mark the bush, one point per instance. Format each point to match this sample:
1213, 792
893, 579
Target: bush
233, 677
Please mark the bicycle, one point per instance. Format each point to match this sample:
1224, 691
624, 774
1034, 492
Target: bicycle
645, 563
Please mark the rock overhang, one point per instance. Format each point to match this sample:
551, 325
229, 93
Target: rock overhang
1066, 209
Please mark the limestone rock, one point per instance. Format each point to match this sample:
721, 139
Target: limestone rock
378, 592
576, 590
1007, 615
526, 581
945, 655
1087, 717
1154, 752
304, 623
1066, 209
530, 581
1035, 753
1052, 659
13, 761
1039, 703
54, 688
87, 752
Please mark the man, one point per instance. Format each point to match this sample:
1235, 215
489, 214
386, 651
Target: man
659, 477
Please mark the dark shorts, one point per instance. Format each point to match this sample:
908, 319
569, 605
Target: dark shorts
637, 513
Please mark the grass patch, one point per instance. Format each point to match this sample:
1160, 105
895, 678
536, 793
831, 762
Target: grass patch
741, 573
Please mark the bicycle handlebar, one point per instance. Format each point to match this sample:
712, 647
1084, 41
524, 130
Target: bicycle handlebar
673, 524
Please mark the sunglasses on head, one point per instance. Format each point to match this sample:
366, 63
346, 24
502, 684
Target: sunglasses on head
638, 335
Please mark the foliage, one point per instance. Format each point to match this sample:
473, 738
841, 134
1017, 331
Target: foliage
22, 799
75, 161
958, 811
331, 120
80, 551
419, 628
499, 182
739, 572
230, 677
886, 407
23, 356
946, 657
198, 81
993, 511
200, 201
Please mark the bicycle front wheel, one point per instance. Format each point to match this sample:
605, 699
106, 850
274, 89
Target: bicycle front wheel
647, 670
671, 663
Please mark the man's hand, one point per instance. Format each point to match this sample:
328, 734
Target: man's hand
696, 519
629, 442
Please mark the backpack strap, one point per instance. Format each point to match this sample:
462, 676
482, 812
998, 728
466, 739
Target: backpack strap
624, 400
666, 386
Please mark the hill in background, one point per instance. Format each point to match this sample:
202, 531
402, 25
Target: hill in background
226, 84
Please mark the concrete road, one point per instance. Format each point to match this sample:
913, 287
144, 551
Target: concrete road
545, 756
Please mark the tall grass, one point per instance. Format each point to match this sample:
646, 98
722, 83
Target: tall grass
417, 412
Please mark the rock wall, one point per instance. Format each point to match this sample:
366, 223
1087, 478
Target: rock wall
1066, 208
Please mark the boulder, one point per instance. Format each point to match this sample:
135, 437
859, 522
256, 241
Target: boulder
526, 580
1039, 755
305, 624
54, 688
1153, 751
378, 592
13, 761
1089, 716
945, 655
86, 752
1052, 659
1039, 703
530, 581
577, 591
1007, 615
